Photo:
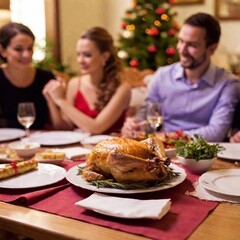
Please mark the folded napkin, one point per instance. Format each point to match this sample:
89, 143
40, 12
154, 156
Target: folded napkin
204, 194
126, 207
74, 152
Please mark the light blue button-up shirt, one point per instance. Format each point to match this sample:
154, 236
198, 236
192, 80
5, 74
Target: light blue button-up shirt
205, 108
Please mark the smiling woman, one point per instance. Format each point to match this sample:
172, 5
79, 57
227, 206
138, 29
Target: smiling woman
97, 100
20, 81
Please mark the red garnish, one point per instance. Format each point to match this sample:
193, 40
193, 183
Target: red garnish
14, 165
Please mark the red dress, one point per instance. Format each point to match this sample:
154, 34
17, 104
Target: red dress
82, 105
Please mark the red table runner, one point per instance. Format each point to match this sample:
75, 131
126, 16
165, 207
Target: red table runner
184, 217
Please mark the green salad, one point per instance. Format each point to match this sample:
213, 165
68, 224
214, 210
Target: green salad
198, 148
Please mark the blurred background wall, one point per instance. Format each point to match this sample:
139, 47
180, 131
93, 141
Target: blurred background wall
76, 16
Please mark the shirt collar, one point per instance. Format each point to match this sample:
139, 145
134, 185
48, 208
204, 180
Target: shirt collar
178, 73
207, 77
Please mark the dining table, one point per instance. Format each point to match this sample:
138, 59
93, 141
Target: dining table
49, 212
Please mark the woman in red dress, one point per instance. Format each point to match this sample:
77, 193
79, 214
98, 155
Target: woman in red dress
97, 100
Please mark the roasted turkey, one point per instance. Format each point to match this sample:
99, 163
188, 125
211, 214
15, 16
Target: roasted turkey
127, 161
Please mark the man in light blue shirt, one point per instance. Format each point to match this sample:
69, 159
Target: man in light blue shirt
196, 96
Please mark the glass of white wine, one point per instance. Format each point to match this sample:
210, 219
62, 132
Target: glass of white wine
26, 115
154, 115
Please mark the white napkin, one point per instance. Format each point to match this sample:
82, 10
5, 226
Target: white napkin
203, 194
126, 207
74, 152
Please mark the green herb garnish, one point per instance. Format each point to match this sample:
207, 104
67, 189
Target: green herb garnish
198, 148
111, 183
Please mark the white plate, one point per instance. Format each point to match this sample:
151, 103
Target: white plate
95, 139
44, 175
77, 180
231, 152
54, 138
224, 181
7, 134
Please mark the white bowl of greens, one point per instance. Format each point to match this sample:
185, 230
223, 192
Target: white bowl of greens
198, 155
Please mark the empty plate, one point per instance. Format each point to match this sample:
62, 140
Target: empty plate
224, 181
54, 138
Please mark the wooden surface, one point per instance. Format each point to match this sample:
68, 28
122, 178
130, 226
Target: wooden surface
41, 225
222, 223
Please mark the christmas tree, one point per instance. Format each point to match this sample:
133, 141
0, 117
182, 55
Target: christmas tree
149, 35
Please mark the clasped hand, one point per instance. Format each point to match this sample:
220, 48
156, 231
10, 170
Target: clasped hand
54, 90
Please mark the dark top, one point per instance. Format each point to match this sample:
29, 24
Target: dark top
10, 96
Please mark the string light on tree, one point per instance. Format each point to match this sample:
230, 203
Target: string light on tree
164, 17
122, 54
157, 23
164, 35
127, 34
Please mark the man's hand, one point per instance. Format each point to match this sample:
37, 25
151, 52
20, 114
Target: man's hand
131, 126
235, 138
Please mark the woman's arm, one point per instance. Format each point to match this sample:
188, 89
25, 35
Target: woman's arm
56, 116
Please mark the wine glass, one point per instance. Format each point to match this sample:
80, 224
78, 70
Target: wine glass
154, 115
26, 115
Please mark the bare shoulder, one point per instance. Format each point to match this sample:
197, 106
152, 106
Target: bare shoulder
124, 91
72, 87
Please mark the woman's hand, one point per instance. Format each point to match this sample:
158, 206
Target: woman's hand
54, 90
236, 137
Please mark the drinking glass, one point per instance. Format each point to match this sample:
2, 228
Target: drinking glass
154, 115
26, 115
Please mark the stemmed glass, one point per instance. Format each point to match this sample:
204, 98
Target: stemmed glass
154, 115
26, 115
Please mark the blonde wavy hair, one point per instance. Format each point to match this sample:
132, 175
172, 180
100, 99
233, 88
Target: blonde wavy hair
112, 69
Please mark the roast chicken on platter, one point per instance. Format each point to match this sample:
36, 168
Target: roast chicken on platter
127, 161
